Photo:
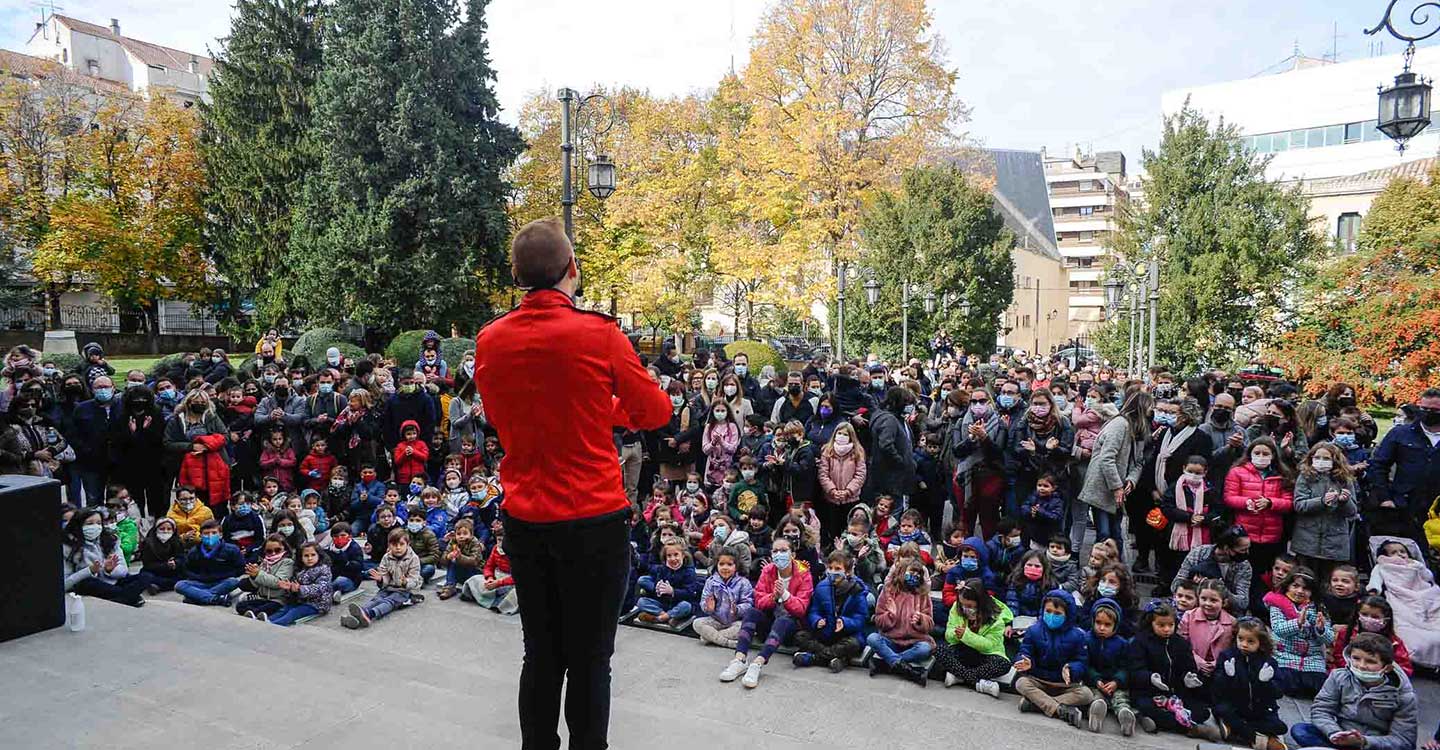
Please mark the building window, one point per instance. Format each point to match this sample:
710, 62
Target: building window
93, 68
1026, 324
1087, 210
1086, 186
1352, 132
1087, 236
1347, 230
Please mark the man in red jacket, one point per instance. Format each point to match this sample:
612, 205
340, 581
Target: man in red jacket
556, 381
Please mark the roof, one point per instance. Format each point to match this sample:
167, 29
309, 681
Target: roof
29, 66
1372, 181
1021, 195
148, 53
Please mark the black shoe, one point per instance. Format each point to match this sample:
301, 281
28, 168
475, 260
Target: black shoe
913, 673
837, 665
803, 659
878, 666
1071, 715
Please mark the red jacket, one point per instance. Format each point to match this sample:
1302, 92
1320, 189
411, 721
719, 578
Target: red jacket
801, 587
208, 470
1245, 483
497, 566
323, 464
549, 375
413, 465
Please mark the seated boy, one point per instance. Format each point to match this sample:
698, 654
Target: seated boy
399, 578
1370, 704
864, 548
838, 610
463, 559
1052, 663
212, 568
347, 561
423, 542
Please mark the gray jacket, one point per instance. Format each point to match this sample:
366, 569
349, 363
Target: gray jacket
1322, 530
296, 411
267, 581
1115, 459
1387, 714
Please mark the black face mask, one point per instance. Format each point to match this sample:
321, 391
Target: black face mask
1270, 422
793, 389
1220, 416
138, 406
27, 412
75, 389
197, 408
1430, 417
1083, 389
1345, 401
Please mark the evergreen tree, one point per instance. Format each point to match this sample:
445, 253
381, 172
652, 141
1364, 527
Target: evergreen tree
403, 226
258, 153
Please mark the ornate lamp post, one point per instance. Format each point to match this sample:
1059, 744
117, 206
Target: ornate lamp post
1405, 106
600, 174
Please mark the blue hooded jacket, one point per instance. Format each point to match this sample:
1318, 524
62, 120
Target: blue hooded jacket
957, 575
687, 586
853, 612
1050, 651
1107, 655
1002, 559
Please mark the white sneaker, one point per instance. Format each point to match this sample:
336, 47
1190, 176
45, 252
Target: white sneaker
951, 680
336, 597
988, 687
752, 674
732, 670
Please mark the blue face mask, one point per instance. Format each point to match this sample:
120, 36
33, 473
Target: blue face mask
243, 509
721, 532
1053, 620
103, 395
912, 580
1005, 400
1107, 589
210, 541
970, 564
835, 575
1345, 440
325, 387
781, 559
1164, 418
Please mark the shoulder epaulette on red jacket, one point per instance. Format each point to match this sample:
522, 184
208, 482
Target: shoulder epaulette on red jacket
597, 313
495, 319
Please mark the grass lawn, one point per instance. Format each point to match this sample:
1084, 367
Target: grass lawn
122, 364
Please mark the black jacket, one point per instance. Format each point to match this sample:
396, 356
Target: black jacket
892, 458
1170, 658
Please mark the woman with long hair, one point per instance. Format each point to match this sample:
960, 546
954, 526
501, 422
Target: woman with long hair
94, 564
1116, 461
197, 441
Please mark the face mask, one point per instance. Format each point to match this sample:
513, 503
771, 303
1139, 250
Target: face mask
909, 409
793, 538
112, 527
269, 378
781, 559
969, 564
298, 383
1371, 624
1040, 410
210, 541
1107, 589
877, 384
1053, 620
979, 411
103, 395
327, 388
387, 387
1220, 416
835, 575
1430, 417
1261, 462
187, 504
721, 532
1345, 440
1012, 541
719, 416
970, 613
816, 391
730, 391
197, 407
742, 370
1034, 574
414, 526
164, 536
825, 412
912, 580
274, 557
242, 509
91, 531
285, 530
677, 401
692, 486
1366, 676
844, 449
1006, 401
1323, 465
217, 360
747, 474
710, 384
1164, 419
407, 388
793, 389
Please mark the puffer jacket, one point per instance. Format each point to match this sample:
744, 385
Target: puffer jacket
686, 587
1087, 424
315, 587
1387, 714
1106, 657
1169, 658
733, 598
801, 587
1050, 651
1322, 530
1243, 693
844, 601
841, 473
267, 581
957, 575
1246, 483
989, 640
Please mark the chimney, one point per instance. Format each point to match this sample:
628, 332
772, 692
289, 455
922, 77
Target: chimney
194, 65
115, 26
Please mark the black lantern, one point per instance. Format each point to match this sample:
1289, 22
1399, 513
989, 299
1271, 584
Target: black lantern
872, 291
600, 177
1405, 107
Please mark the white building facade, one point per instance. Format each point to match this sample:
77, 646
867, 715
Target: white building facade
100, 52
1086, 194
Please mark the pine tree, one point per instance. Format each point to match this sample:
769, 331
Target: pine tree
403, 225
257, 152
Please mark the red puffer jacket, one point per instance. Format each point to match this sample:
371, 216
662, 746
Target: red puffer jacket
1245, 483
208, 471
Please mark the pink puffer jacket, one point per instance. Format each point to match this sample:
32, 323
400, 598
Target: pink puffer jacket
841, 473
1244, 483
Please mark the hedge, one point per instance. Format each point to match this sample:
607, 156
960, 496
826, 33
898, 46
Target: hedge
405, 347
760, 354
313, 343
162, 366
66, 361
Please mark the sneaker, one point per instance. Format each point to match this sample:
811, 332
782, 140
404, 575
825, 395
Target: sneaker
646, 618
987, 687
1096, 715
1127, 721
1026, 707
1071, 715
837, 665
752, 674
263, 617
358, 613
951, 681
803, 659
732, 670
349, 622
224, 601
336, 597
152, 590
247, 613
1147, 723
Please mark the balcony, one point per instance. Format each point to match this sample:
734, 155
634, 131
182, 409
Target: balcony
1075, 198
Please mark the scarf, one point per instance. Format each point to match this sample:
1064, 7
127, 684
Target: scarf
1183, 536
1169, 444
1040, 425
966, 467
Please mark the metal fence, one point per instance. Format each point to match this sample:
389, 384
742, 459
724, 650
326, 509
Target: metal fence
175, 318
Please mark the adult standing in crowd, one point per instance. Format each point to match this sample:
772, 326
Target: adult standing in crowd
566, 529
892, 452
90, 437
1116, 463
1405, 469
137, 442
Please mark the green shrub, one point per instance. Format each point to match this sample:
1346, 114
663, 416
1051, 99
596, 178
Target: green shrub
405, 348
67, 362
313, 343
163, 365
453, 349
347, 350
760, 354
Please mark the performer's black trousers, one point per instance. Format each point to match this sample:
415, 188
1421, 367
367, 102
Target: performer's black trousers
570, 579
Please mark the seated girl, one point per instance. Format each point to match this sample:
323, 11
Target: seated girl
1247, 698
726, 599
1208, 627
781, 601
265, 596
163, 556
1027, 587
974, 648
1303, 634
1112, 581
669, 591
1374, 615
1164, 681
903, 619
309, 591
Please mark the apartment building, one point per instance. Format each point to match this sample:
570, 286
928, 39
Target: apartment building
1086, 194
104, 53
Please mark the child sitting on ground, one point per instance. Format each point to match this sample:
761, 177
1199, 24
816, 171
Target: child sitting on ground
1006, 548
347, 561
212, 568
1371, 704
836, 619
863, 547
312, 515
1101, 552
423, 542
974, 649
188, 513
463, 558
1209, 628
1042, 511
1111, 582
398, 576
1401, 577
1374, 615
119, 522
1051, 662
1303, 634
1342, 598
1246, 696
310, 590
455, 495
970, 563
1164, 682
903, 620
1064, 568
1107, 661
1027, 587
725, 537
727, 597
335, 500
266, 597
668, 592
242, 526
494, 589
696, 525
1185, 597
886, 520
947, 552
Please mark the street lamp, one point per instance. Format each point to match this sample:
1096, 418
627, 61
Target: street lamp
600, 175
1405, 106
929, 303
1114, 290
840, 283
872, 290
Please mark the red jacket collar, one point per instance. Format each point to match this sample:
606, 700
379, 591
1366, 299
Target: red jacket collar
546, 298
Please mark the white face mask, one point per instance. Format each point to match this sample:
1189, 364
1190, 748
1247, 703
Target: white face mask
164, 536
730, 390
1260, 461
1323, 465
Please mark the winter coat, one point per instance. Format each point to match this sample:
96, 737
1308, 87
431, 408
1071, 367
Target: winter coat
796, 476
733, 598
895, 612
1026, 600
225, 562
413, 465
1416, 470
1066, 573
736, 542
417, 407
348, 562
1244, 694
244, 531
402, 574
845, 601
718, 442
1299, 644
76, 562
1180, 533
1246, 483
279, 464
89, 433
1387, 714
497, 567
1116, 458
136, 448
1323, 530
425, 545
1170, 658
471, 553
800, 590
1041, 516
999, 560
155, 554
989, 640
315, 471
1107, 659
687, 585
1402, 654
187, 525
1087, 424
315, 587
1050, 651
892, 458
267, 581
1207, 637
839, 472
958, 574
1027, 465
208, 471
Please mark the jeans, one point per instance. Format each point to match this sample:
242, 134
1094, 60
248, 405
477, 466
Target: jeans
570, 580
199, 592
1107, 526
885, 649
386, 602
456, 574
288, 615
680, 611
1308, 735
91, 482
427, 571
777, 630
343, 585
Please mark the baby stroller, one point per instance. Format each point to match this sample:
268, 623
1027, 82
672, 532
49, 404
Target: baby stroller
1410, 588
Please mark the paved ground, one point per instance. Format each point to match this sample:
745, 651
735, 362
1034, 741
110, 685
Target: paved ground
444, 674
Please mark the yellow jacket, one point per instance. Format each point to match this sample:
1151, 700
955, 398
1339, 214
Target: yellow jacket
187, 525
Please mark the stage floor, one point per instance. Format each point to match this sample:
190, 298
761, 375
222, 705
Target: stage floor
444, 674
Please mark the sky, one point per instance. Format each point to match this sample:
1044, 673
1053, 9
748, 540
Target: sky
1060, 74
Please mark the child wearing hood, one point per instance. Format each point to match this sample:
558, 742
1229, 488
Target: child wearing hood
1006, 548
1042, 511
969, 563
947, 552
1106, 668
162, 553
838, 611
903, 620
863, 546
726, 537
1051, 662
725, 600
974, 648
1164, 681
410, 454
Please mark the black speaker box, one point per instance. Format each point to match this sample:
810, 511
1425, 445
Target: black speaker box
32, 589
